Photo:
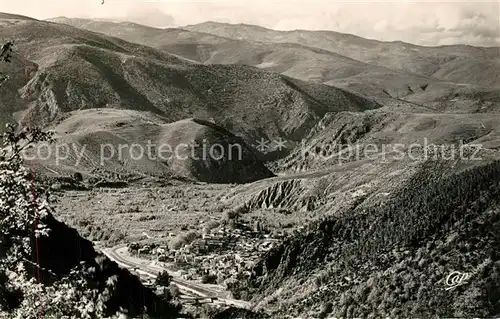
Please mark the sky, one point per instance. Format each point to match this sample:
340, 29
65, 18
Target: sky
419, 22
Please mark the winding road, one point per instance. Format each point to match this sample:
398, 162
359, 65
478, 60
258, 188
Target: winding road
120, 255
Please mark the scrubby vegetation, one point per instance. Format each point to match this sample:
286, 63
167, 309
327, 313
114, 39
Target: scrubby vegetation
163, 279
393, 259
386, 246
46, 268
233, 313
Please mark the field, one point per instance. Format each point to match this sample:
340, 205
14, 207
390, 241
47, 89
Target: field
119, 216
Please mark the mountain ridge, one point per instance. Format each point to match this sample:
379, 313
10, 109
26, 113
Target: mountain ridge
338, 43
322, 59
128, 66
211, 23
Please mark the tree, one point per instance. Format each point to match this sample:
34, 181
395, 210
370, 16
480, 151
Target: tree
133, 247
5, 56
27, 291
326, 309
174, 291
78, 177
6, 51
232, 216
23, 212
183, 240
163, 279
209, 279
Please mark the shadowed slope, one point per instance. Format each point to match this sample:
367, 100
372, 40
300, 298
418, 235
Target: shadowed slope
131, 142
78, 69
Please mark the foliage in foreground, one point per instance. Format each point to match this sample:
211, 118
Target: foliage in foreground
23, 213
69, 283
76, 281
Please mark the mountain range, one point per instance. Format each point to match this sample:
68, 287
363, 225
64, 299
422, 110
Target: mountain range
378, 234
372, 68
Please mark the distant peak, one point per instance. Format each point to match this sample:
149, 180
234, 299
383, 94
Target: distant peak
217, 23
4, 15
59, 17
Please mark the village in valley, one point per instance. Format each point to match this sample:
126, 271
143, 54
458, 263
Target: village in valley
213, 256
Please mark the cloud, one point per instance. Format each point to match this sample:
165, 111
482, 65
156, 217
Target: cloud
477, 25
425, 23
420, 22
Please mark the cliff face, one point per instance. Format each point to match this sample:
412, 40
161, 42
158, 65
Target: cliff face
394, 259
